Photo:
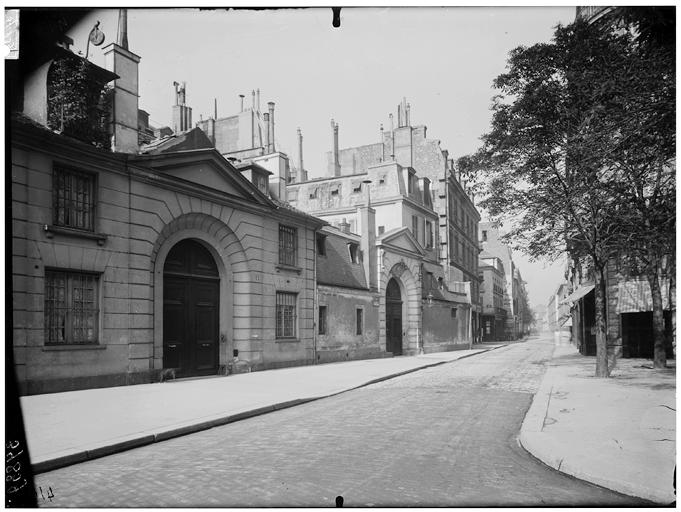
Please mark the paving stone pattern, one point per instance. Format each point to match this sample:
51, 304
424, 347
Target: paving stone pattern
443, 436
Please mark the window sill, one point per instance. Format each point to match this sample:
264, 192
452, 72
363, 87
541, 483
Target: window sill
289, 268
52, 230
66, 347
287, 340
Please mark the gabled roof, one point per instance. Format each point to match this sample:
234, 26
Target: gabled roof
401, 239
206, 167
336, 267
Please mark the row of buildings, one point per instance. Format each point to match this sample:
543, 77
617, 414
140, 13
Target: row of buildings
193, 247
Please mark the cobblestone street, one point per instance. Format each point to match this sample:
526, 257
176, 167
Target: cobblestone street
444, 436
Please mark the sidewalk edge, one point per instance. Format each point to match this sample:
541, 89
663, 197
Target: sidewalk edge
147, 439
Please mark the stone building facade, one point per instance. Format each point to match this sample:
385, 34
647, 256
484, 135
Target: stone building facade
130, 261
492, 297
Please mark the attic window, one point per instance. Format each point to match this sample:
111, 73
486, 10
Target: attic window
321, 245
356, 187
381, 230
453, 312
260, 181
313, 193
381, 181
334, 192
353, 248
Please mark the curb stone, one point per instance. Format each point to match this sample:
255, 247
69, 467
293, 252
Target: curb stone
82, 456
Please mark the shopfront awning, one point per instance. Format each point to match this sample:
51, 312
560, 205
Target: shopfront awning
635, 296
578, 294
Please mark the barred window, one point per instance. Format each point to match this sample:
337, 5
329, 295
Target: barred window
287, 245
71, 312
286, 315
74, 199
322, 319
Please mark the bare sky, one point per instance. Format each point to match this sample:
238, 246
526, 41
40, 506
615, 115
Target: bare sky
443, 60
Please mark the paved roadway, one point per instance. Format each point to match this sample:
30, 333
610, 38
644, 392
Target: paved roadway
444, 436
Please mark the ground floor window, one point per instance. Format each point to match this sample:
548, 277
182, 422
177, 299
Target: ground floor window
71, 310
286, 315
322, 319
360, 320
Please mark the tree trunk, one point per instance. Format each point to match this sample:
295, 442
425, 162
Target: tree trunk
601, 338
659, 350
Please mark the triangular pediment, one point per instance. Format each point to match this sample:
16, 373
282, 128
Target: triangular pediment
402, 240
205, 167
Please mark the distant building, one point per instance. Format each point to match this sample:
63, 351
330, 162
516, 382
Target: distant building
492, 291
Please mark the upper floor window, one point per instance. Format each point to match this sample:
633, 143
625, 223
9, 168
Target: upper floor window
429, 234
260, 181
484, 235
415, 226
288, 244
74, 199
71, 308
410, 184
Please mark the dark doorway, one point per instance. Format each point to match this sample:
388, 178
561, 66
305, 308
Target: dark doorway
393, 318
637, 334
191, 290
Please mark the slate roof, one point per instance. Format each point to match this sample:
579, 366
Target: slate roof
336, 268
193, 139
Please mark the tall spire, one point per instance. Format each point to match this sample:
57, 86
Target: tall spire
122, 28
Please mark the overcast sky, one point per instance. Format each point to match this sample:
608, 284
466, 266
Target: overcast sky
443, 60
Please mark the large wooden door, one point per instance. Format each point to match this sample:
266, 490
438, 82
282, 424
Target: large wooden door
190, 310
393, 318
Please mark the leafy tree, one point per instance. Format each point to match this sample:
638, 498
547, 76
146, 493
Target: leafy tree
545, 154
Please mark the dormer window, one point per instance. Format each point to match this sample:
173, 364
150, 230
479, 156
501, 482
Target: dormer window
321, 245
354, 252
260, 181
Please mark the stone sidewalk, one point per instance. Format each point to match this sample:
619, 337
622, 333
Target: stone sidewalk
619, 433
71, 427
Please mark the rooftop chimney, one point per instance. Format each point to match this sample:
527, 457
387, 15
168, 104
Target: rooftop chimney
301, 172
344, 226
367, 219
253, 99
257, 99
392, 138
336, 163
215, 115
408, 109
382, 145
266, 116
241, 96
123, 28
125, 93
182, 114
270, 145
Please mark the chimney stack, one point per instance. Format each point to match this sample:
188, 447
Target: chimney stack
382, 145
125, 109
215, 115
252, 99
266, 116
408, 109
336, 163
301, 172
257, 99
241, 96
344, 226
123, 28
271, 149
367, 219
182, 114
392, 138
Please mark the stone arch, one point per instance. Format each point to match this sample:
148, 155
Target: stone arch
406, 275
230, 258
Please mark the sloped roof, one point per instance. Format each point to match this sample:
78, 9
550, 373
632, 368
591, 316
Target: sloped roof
336, 268
193, 139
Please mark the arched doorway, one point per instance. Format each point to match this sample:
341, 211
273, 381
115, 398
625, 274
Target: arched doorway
191, 287
393, 318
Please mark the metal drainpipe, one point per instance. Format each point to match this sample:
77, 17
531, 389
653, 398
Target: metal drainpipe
315, 300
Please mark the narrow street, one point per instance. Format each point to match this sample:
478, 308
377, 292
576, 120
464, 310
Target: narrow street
444, 436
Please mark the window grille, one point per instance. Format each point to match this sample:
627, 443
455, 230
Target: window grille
74, 199
322, 319
71, 312
286, 315
287, 245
